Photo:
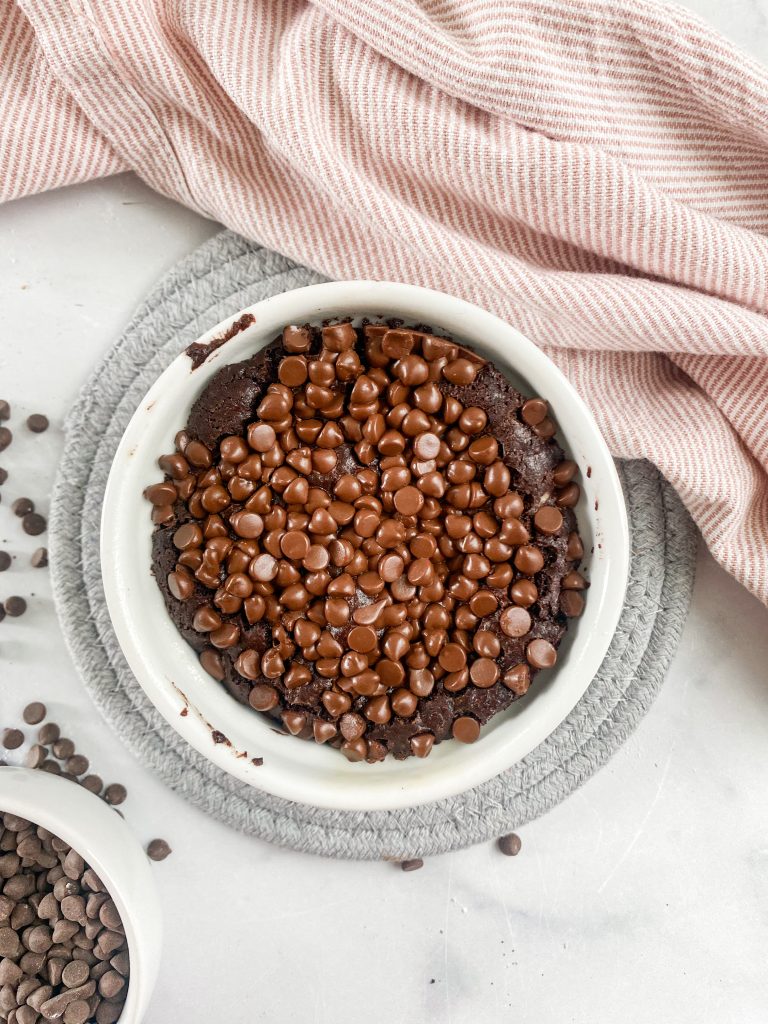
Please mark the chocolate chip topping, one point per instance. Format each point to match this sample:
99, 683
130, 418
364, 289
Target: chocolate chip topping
365, 534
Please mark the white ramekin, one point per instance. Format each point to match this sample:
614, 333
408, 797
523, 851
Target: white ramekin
197, 707
105, 842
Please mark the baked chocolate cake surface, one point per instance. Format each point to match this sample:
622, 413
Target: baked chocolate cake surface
330, 441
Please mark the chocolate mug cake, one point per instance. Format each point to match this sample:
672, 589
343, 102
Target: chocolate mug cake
368, 534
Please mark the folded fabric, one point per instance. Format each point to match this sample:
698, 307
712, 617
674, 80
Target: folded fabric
594, 172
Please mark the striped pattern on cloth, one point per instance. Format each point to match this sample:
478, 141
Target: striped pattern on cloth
594, 171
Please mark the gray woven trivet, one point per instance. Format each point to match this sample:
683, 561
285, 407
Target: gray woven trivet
218, 279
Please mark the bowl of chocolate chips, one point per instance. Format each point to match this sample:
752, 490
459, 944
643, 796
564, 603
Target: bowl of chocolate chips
80, 924
363, 545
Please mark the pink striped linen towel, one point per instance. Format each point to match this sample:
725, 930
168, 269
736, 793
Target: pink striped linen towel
595, 172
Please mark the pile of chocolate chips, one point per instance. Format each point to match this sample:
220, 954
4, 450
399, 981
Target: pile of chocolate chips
63, 953
380, 551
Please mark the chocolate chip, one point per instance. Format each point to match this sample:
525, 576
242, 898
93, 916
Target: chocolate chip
5, 409
541, 654
37, 423
548, 519
412, 865
571, 603
115, 794
515, 621
158, 849
35, 756
76, 765
5, 438
63, 748
34, 713
534, 411
466, 729
15, 606
12, 738
5, 561
48, 733
22, 506
510, 845
3, 475
92, 783
39, 559
34, 524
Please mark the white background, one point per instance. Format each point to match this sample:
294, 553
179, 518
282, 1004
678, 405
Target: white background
643, 898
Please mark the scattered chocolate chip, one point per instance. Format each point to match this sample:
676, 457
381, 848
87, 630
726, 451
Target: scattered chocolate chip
3, 475
158, 849
15, 606
12, 738
5, 438
510, 845
34, 524
5, 410
5, 561
39, 559
411, 865
22, 506
37, 423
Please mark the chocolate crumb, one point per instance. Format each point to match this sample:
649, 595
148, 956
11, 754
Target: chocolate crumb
218, 737
257, 761
199, 353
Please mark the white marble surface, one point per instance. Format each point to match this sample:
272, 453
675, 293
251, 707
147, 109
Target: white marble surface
642, 898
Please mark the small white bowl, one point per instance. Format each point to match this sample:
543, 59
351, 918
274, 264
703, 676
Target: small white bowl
105, 842
168, 669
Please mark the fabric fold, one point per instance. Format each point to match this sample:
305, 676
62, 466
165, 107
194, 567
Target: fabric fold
594, 172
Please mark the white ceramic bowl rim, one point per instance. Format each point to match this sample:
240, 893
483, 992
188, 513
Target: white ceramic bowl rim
105, 842
167, 668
